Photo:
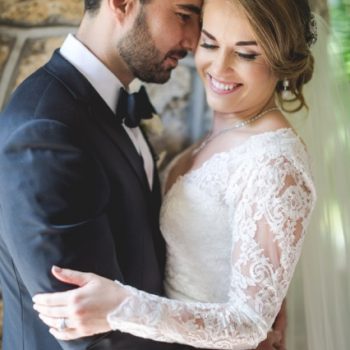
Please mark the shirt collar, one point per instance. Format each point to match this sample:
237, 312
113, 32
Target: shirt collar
100, 77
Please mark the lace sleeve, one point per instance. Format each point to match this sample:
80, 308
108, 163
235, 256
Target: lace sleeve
269, 206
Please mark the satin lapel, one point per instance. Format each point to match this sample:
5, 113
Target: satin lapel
106, 119
156, 183
158, 240
153, 153
98, 111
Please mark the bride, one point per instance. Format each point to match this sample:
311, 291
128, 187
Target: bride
238, 202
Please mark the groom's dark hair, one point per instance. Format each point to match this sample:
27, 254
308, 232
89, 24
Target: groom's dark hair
93, 5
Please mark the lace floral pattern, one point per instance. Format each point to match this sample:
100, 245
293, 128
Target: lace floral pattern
234, 230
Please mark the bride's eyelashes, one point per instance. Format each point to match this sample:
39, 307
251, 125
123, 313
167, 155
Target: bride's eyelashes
208, 46
247, 56
242, 55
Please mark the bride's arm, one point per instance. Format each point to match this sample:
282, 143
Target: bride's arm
268, 221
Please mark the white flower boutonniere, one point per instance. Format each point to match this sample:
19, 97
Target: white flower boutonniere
161, 158
153, 126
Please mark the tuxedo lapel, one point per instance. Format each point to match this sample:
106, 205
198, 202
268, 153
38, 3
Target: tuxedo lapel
98, 110
112, 127
156, 183
156, 203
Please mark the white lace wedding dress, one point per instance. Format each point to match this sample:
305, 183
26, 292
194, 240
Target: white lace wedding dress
234, 229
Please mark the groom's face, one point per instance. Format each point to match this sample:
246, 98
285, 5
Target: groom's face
163, 32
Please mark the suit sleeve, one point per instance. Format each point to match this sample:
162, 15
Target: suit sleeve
53, 197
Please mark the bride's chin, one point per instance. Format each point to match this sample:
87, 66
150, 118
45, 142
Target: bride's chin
221, 109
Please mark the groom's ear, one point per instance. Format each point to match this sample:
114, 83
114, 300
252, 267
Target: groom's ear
123, 9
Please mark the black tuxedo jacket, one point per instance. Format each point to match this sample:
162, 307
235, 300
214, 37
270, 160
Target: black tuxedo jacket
73, 192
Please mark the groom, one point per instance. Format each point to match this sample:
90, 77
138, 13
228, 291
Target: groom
78, 184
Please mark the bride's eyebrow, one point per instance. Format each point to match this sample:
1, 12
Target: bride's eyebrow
246, 43
212, 37
239, 43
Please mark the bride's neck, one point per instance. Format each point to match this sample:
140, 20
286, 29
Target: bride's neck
225, 120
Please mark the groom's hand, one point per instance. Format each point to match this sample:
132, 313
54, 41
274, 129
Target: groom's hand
272, 342
276, 339
280, 326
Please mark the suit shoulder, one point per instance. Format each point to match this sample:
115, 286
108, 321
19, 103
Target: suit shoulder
42, 96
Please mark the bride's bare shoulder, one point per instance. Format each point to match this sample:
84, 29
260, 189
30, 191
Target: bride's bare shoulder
276, 120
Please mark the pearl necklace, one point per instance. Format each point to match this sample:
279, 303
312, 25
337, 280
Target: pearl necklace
237, 125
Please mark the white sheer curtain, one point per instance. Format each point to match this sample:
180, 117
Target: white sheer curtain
319, 297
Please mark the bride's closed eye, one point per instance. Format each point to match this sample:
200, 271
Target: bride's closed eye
208, 46
242, 55
247, 56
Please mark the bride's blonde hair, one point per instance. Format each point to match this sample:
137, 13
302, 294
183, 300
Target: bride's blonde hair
283, 30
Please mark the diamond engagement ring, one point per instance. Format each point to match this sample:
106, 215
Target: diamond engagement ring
62, 324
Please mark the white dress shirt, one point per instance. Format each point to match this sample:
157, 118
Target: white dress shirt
107, 85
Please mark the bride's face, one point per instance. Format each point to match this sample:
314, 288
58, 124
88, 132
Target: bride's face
230, 61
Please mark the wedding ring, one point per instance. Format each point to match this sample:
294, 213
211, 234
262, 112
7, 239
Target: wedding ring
62, 324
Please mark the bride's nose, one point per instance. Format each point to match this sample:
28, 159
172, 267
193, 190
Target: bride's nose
223, 62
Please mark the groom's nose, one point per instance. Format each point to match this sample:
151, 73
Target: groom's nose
191, 37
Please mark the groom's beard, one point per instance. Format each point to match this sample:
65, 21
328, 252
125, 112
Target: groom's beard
141, 55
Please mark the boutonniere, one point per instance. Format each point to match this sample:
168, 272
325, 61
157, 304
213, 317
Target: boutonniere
160, 159
153, 126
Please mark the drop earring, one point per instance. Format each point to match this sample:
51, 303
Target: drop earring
286, 93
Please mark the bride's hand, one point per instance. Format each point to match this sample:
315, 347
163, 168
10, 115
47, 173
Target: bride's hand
82, 311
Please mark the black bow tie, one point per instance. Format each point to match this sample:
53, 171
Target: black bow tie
131, 108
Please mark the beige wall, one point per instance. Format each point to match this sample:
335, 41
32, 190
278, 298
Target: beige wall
29, 31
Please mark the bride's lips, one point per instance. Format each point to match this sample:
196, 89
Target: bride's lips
221, 87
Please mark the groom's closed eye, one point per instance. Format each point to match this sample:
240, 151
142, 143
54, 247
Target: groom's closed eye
184, 17
187, 12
